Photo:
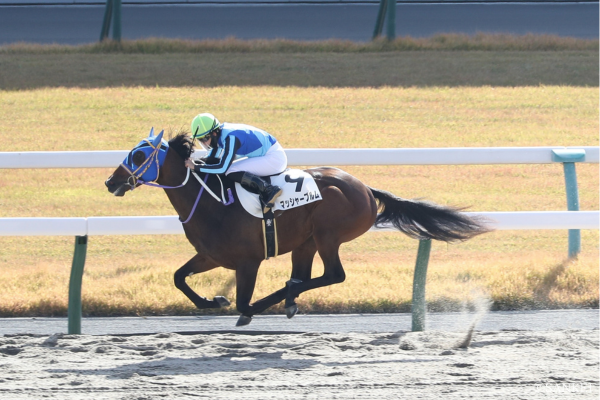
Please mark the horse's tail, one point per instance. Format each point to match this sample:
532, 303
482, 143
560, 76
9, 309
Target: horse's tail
425, 220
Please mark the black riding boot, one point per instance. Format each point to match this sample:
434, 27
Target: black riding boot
267, 192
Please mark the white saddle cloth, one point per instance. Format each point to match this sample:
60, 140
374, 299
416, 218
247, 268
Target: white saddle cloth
299, 188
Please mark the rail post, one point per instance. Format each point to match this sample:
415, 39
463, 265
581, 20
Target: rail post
568, 157
391, 20
419, 306
106, 20
111, 11
74, 312
117, 25
380, 18
386, 7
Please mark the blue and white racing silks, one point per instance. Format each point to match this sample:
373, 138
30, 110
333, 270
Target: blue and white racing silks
236, 141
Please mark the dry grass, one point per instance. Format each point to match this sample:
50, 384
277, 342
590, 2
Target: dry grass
74, 99
444, 68
453, 42
133, 276
114, 118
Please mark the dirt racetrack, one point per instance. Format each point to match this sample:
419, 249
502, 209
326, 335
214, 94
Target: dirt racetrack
415, 365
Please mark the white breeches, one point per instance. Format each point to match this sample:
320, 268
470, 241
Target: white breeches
274, 162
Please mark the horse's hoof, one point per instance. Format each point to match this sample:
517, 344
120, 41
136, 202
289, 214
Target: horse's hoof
243, 320
291, 311
221, 301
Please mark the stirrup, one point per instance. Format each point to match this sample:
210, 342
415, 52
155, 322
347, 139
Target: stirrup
265, 207
271, 204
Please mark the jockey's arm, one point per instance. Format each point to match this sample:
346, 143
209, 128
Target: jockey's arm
211, 157
232, 145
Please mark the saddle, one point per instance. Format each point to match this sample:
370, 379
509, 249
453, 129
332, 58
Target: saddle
299, 188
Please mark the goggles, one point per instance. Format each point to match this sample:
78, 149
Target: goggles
206, 138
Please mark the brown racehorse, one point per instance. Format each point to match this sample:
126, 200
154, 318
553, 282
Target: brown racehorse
227, 236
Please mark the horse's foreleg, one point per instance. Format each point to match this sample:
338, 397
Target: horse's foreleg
245, 280
333, 273
197, 265
302, 259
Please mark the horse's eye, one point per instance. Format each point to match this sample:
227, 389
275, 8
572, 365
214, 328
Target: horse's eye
139, 157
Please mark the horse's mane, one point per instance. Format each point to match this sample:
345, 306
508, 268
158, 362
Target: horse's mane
182, 144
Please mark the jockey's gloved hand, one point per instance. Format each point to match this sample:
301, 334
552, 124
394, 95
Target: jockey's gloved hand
193, 164
209, 160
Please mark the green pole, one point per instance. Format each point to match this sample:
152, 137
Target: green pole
106, 20
117, 25
380, 18
419, 309
568, 157
391, 20
74, 312
572, 205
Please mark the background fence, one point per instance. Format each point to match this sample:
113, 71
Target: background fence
312, 157
83, 227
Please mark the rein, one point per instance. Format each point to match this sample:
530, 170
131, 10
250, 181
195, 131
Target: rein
187, 177
197, 198
135, 177
204, 186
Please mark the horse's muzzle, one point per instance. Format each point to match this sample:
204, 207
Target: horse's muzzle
116, 190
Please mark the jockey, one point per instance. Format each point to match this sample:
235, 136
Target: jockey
242, 152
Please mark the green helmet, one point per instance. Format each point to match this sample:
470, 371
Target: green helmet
203, 124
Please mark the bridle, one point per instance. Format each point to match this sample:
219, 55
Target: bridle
135, 176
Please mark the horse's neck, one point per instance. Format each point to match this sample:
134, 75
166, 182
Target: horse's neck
184, 198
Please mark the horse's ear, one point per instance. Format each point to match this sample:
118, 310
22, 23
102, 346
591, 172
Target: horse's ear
157, 139
151, 133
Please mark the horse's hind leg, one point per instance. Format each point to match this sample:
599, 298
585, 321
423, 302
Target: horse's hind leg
197, 265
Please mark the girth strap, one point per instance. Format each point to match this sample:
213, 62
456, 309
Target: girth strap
270, 235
